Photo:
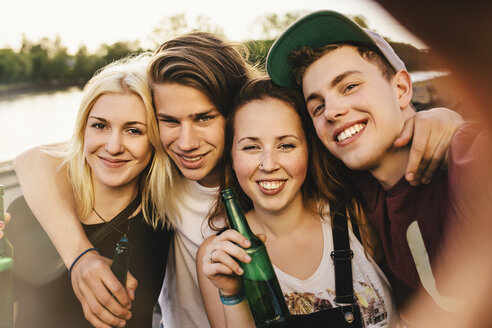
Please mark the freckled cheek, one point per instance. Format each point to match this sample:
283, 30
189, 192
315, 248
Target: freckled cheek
244, 168
298, 166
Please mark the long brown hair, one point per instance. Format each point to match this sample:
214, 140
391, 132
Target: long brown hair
205, 62
327, 183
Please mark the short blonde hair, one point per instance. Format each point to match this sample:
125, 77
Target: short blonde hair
158, 180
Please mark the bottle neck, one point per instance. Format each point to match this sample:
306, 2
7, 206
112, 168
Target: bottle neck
237, 220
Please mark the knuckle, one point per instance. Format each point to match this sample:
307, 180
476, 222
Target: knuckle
106, 299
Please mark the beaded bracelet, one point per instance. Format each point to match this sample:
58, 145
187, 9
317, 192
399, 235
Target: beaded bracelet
232, 299
78, 257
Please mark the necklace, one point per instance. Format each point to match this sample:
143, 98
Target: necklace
113, 227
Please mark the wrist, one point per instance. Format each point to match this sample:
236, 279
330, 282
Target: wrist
232, 299
78, 258
69, 255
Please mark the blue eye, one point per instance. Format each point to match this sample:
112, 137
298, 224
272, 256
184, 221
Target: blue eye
98, 126
135, 131
205, 118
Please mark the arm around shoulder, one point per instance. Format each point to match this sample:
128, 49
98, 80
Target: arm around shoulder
47, 191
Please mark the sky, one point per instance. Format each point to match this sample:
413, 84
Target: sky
94, 22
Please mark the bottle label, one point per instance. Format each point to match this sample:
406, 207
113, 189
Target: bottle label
260, 267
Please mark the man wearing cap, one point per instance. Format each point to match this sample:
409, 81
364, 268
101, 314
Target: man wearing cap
358, 94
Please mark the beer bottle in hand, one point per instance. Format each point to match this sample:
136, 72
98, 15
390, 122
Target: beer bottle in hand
6, 276
260, 283
121, 259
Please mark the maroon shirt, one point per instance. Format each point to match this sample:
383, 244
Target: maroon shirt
434, 206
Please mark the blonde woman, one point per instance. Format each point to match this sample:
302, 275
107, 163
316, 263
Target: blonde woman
114, 161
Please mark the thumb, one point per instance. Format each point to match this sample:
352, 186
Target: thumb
131, 285
262, 237
406, 134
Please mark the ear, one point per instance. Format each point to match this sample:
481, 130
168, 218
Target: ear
403, 85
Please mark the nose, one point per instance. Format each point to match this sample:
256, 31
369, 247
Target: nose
187, 139
269, 161
114, 144
334, 109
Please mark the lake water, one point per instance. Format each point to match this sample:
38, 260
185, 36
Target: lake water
36, 118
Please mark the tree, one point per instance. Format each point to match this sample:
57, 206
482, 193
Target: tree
13, 67
272, 25
171, 26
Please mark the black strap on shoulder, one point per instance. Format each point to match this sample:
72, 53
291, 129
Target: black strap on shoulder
342, 259
121, 217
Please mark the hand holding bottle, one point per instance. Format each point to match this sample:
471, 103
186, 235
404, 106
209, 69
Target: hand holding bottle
220, 258
95, 285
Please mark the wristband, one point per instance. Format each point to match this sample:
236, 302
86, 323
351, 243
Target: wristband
232, 299
78, 258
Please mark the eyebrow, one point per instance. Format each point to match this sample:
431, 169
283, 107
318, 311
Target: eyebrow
126, 123
193, 116
337, 80
278, 138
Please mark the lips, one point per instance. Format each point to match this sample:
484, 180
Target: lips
113, 163
271, 187
347, 132
191, 162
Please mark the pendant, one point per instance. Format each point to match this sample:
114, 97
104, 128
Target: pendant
349, 316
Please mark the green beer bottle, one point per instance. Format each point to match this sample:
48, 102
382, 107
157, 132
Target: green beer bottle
260, 283
6, 276
121, 259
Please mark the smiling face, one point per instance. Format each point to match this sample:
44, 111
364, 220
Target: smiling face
269, 154
191, 130
116, 145
357, 113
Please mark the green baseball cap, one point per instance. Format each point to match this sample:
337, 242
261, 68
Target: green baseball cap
318, 29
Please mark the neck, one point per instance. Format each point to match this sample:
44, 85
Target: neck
110, 201
210, 181
392, 167
279, 223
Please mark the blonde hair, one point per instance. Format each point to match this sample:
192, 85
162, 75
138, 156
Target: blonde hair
158, 179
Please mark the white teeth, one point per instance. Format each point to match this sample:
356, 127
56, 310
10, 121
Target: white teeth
269, 185
192, 159
347, 133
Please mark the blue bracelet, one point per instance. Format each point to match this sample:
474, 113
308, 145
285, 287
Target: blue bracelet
232, 299
78, 257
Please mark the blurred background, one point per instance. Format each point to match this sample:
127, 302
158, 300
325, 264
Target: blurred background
49, 49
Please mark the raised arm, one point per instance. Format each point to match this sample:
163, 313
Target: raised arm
431, 132
218, 270
48, 193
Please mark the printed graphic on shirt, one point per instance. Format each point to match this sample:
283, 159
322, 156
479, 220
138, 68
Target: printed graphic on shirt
371, 303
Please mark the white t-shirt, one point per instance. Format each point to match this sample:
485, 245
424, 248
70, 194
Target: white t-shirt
180, 300
318, 291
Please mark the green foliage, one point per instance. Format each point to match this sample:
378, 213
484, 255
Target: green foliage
171, 26
48, 60
273, 24
258, 51
13, 67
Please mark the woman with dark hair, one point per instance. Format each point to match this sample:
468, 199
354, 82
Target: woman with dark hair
291, 190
